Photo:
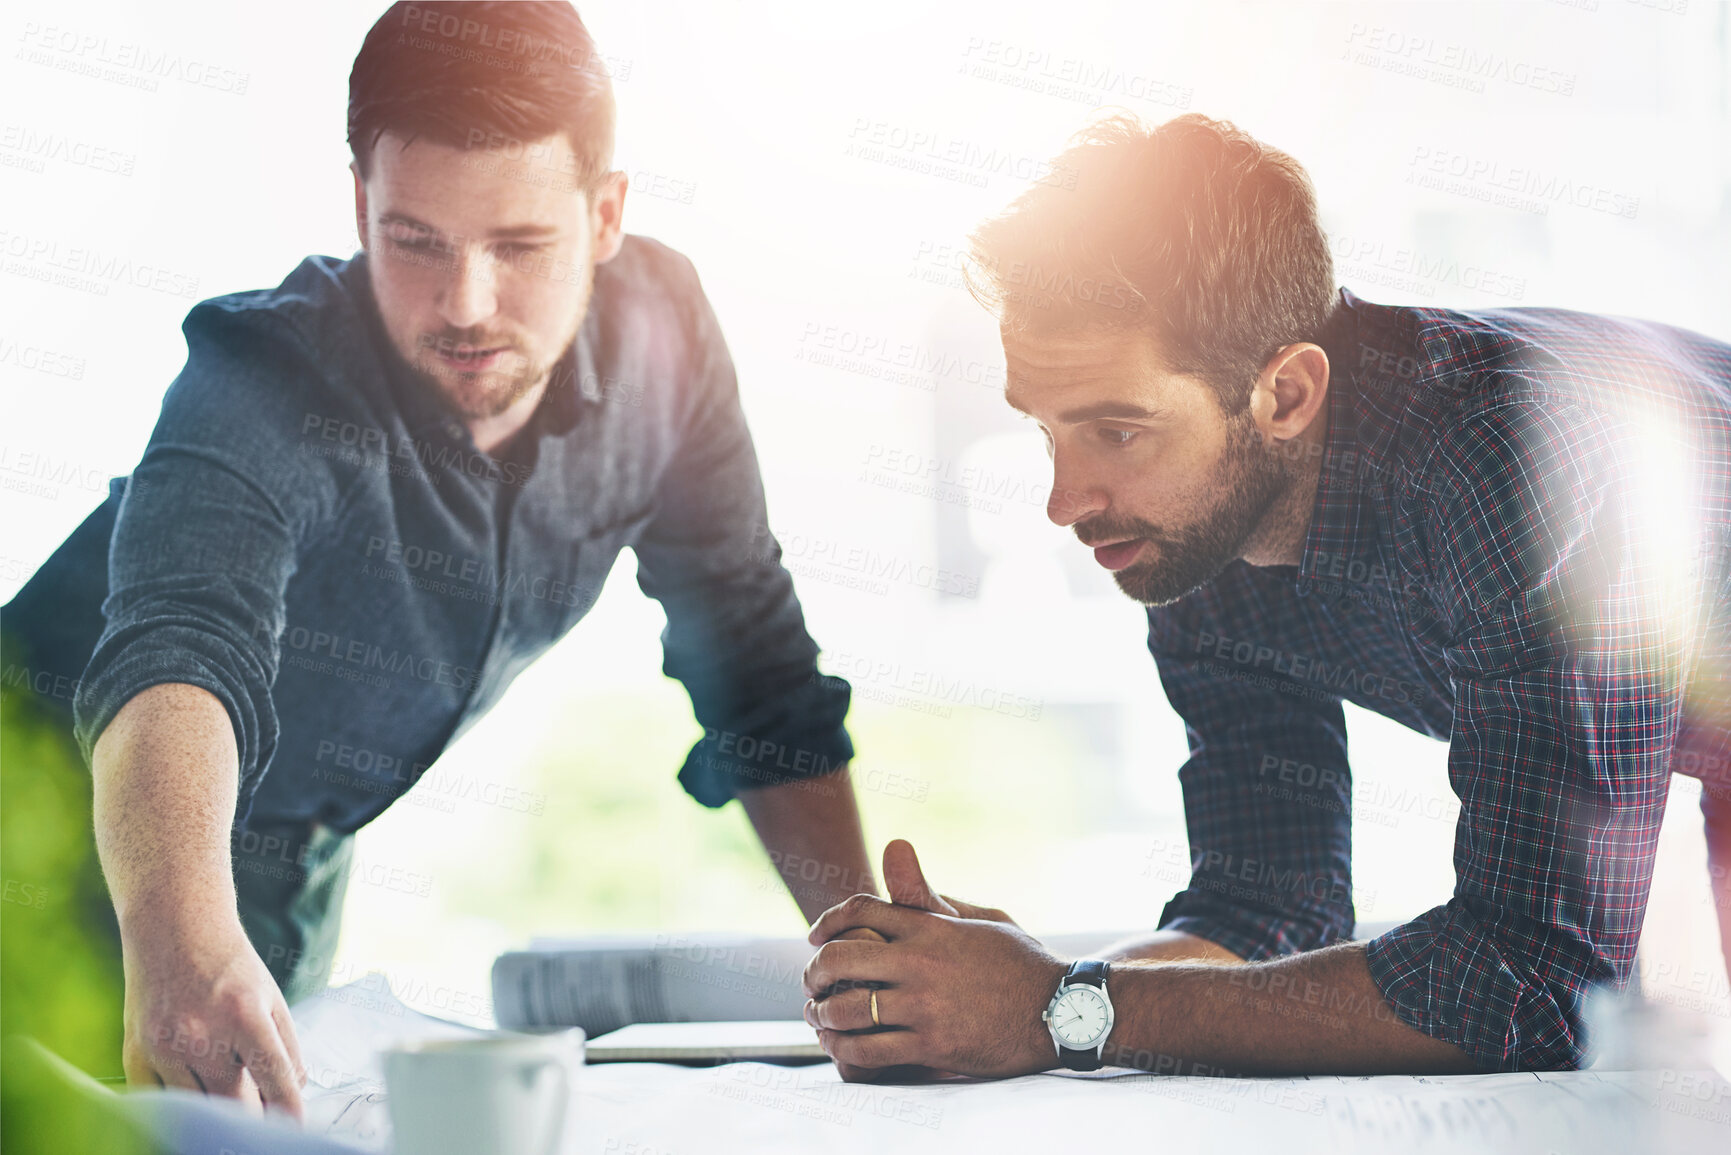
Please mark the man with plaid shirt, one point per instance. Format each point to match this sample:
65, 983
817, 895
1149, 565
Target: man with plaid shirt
1505, 529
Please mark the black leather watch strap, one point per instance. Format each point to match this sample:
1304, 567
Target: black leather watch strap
1092, 971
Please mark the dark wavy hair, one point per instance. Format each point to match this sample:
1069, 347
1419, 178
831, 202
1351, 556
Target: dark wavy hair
1194, 229
495, 75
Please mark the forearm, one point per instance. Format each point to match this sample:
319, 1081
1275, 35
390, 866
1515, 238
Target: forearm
1167, 946
811, 830
165, 779
1312, 1013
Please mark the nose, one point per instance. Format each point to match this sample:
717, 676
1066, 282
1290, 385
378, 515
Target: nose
1071, 499
469, 294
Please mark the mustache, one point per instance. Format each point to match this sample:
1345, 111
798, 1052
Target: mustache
1100, 529
448, 341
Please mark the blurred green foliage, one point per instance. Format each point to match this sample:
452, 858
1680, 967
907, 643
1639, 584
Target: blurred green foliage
620, 846
61, 985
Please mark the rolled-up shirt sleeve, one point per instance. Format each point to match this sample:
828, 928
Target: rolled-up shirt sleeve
1564, 588
205, 538
735, 636
1267, 789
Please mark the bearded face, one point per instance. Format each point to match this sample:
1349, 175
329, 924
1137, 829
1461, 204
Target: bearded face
481, 265
1149, 472
1175, 559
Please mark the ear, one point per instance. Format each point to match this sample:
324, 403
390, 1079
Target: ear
607, 217
906, 883
360, 204
1290, 391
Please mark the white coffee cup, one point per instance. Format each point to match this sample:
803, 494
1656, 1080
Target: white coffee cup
497, 1094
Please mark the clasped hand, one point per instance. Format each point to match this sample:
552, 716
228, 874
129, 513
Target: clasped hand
958, 988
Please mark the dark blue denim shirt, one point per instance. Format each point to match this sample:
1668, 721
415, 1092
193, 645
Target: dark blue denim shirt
313, 538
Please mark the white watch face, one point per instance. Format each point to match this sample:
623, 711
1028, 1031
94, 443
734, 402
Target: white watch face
1079, 1018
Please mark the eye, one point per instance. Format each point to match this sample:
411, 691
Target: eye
407, 236
1116, 438
517, 249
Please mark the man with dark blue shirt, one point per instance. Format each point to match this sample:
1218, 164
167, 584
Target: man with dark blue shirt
375, 494
1508, 529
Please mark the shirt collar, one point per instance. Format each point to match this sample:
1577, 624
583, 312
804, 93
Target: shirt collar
573, 386
1338, 530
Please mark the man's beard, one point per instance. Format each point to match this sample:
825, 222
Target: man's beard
477, 396
1249, 479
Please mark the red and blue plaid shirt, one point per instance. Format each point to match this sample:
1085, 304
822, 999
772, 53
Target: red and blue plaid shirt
1519, 545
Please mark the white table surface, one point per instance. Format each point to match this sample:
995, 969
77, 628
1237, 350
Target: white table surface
659, 1109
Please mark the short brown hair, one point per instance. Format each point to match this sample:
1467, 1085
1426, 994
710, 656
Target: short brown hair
483, 75
1195, 230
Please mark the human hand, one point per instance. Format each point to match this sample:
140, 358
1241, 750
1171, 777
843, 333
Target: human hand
907, 886
960, 986
203, 1013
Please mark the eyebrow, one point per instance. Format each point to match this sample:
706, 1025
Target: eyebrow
1099, 411
506, 232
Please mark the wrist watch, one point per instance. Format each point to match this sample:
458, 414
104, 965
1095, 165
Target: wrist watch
1080, 1015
